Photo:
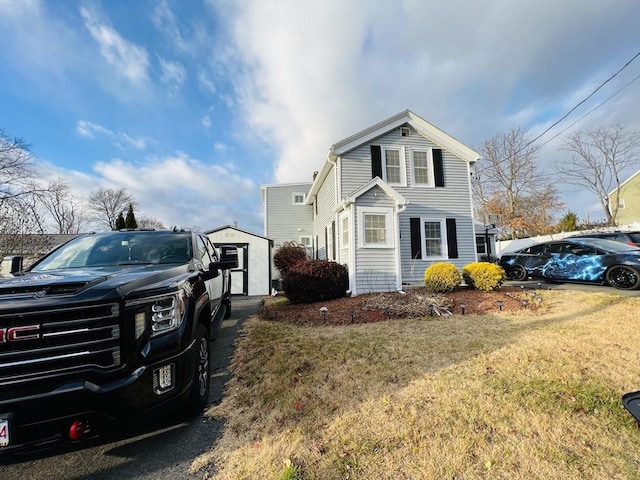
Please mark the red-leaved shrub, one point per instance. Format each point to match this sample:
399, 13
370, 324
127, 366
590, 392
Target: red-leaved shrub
315, 281
287, 256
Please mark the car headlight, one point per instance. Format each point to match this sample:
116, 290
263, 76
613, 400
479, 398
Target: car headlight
162, 313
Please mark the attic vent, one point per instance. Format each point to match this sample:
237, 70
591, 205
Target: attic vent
405, 132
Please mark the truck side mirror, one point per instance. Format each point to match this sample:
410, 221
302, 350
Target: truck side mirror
12, 264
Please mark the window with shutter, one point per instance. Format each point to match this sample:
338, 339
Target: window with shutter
433, 238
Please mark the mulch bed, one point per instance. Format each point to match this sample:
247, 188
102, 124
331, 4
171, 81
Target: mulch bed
375, 307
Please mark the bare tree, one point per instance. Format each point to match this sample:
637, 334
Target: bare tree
64, 210
601, 156
18, 218
18, 190
150, 223
105, 204
508, 185
16, 168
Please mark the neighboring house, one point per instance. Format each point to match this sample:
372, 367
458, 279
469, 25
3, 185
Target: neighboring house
287, 217
31, 246
252, 276
388, 202
628, 198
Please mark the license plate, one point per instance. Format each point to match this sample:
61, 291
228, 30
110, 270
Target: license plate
4, 432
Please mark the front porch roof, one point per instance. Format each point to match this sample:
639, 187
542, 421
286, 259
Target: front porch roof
374, 182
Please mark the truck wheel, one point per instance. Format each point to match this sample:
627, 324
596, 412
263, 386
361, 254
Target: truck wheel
199, 396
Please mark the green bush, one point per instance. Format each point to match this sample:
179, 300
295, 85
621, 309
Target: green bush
484, 276
287, 256
442, 277
315, 280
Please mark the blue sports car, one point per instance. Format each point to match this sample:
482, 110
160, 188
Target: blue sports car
583, 260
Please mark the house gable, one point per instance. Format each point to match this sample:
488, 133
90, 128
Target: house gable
371, 135
373, 183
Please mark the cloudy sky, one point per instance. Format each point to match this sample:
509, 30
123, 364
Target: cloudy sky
191, 105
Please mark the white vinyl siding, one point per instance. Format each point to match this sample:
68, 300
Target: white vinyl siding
285, 222
326, 201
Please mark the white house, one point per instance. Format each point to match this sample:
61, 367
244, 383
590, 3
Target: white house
388, 202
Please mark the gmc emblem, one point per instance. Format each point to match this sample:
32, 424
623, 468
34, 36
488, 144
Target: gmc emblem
16, 334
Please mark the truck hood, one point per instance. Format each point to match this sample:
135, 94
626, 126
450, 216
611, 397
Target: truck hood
95, 283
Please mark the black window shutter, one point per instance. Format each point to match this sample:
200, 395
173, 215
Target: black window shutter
438, 169
452, 238
416, 239
376, 161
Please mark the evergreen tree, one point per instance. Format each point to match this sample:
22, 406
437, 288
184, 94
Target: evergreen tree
119, 222
568, 223
130, 220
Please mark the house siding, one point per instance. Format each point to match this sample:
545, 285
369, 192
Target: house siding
630, 195
451, 201
327, 203
285, 222
375, 267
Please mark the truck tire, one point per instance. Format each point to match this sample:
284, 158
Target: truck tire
199, 396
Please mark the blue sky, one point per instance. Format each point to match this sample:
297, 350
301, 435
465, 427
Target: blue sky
192, 105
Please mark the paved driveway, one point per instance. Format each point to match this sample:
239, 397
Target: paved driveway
573, 286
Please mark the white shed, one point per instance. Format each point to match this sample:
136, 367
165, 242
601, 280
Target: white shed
253, 275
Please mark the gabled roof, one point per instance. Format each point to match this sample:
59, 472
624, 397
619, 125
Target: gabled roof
226, 227
625, 182
423, 127
407, 117
375, 182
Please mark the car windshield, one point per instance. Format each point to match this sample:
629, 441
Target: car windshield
611, 246
119, 248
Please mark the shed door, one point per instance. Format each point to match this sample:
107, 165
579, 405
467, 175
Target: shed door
240, 275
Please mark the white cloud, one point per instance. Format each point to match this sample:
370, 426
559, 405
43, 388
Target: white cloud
93, 131
474, 69
87, 129
128, 60
206, 122
172, 74
165, 21
177, 190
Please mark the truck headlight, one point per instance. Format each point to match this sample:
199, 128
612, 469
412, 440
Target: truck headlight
163, 313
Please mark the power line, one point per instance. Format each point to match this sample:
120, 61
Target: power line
590, 111
583, 100
575, 107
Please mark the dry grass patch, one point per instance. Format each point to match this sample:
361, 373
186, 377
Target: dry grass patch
526, 395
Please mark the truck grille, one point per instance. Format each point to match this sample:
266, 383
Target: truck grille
47, 343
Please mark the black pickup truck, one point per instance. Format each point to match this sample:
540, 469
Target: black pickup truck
107, 327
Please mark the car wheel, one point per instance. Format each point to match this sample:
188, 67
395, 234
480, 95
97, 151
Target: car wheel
199, 396
518, 272
623, 277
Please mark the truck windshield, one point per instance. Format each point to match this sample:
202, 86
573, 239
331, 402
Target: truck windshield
119, 248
